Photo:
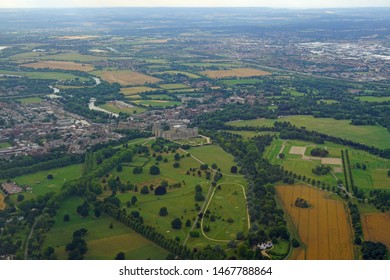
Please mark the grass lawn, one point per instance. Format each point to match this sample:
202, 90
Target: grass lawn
374, 98
228, 202
135, 90
173, 86
5, 145
172, 72
103, 243
213, 154
157, 103
41, 185
44, 75
234, 82
160, 96
30, 100
370, 135
250, 134
114, 109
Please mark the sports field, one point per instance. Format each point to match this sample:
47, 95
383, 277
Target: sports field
30, 100
64, 65
376, 227
323, 227
366, 134
235, 72
126, 77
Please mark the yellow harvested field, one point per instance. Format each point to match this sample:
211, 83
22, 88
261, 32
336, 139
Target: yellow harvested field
84, 37
296, 150
136, 90
237, 72
376, 227
126, 77
64, 65
323, 228
2, 203
335, 161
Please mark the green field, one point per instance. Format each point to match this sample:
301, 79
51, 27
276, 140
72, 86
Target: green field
160, 96
157, 103
31, 100
135, 90
44, 75
213, 154
173, 86
374, 98
196, 141
112, 108
41, 185
249, 134
370, 135
227, 202
74, 57
103, 243
235, 82
172, 72
5, 145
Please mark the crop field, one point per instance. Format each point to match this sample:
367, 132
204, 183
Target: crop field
115, 109
64, 65
2, 203
228, 206
157, 103
366, 134
44, 75
135, 90
376, 227
126, 77
74, 56
30, 100
103, 242
374, 98
323, 228
235, 72
41, 185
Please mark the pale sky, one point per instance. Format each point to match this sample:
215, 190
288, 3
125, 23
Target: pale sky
193, 3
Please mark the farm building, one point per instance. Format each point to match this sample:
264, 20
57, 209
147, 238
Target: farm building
10, 188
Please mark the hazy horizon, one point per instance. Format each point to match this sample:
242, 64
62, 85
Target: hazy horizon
302, 4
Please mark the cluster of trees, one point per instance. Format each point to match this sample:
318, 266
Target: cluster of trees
78, 247
319, 152
321, 170
356, 224
199, 193
374, 250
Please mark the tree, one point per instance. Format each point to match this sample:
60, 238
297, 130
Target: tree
214, 166
160, 190
20, 197
50, 177
188, 223
198, 188
144, 190
133, 200
388, 173
137, 170
66, 218
120, 256
97, 211
176, 223
233, 169
83, 209
199, 197
159, 158
154, 170
163, 211
119, 168
176, 165
282, 156
177, 157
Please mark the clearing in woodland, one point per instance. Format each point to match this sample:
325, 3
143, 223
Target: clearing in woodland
323, 228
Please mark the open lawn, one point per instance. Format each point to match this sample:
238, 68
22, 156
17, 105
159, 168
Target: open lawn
135, 90
103, 243
376, 227
5, 145
172, 72
30, 100
44, 75
250, 134
366, 134
235, 72
374, 98
323, 228
173, 86
228, 213
126, 77
41, 185
157, 103
64, 65
234, 82
116, 109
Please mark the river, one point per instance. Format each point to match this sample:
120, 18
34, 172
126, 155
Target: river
92, 106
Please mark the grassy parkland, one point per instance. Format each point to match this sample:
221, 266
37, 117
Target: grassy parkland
365, 134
